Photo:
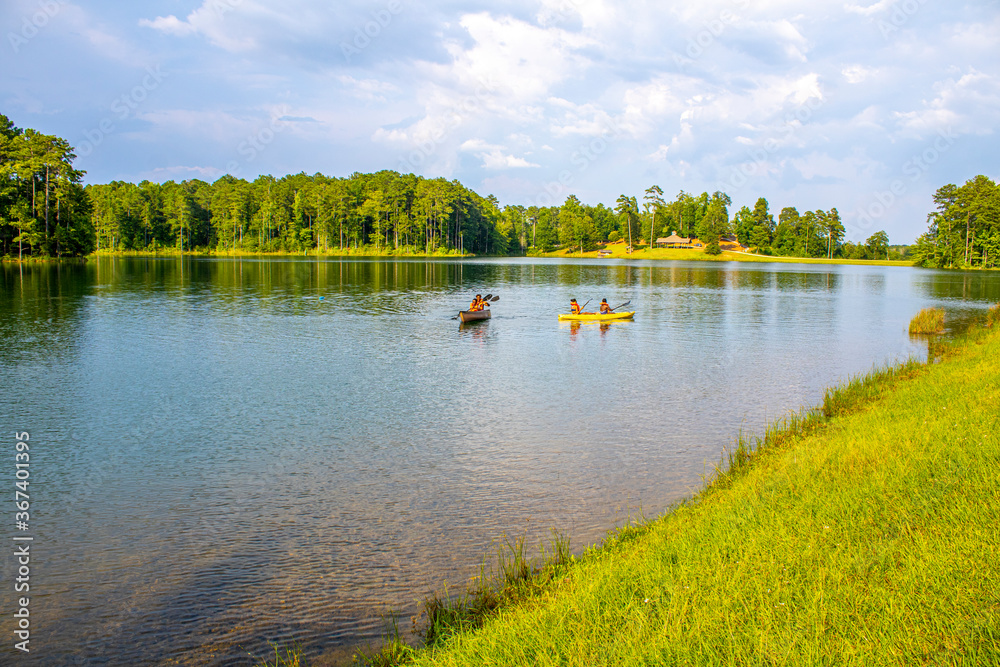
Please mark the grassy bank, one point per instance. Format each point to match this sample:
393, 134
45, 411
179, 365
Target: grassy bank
865, 533
364, 251
617, 251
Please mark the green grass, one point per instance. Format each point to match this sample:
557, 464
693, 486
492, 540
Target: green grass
993, 316
363, 251
928, 321
725, 256
284, 656
864, 532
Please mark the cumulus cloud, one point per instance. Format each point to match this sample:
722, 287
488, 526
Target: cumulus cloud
857, 73
169, 24
210, 21
966, 104
497, 159
869, 10
494, 156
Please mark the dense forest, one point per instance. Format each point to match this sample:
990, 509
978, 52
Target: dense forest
383, 212
45, 211
964, 231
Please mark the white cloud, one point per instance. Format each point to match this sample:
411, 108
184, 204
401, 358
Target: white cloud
494, 156
969, 105
659, 154
591, 13
473, 145
371, 90
513, 61
180, 172
869, 10
211, 21
170, 25
857, 73
497, 159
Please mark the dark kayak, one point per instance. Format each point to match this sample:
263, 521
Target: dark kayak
473, 315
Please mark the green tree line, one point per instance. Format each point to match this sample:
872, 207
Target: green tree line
964, 231
385, 211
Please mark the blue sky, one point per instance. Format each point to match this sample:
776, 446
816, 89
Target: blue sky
867, 107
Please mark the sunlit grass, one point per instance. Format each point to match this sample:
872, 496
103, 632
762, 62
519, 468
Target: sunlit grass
993, 316
618, 252
284, 656
928, 321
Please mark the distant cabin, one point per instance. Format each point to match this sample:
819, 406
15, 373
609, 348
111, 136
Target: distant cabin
674, 241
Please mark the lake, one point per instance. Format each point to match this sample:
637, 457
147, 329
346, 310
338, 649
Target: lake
231, 452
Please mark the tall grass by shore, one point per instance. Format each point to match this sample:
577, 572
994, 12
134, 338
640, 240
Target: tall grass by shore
993, 316
928, 321
363, 251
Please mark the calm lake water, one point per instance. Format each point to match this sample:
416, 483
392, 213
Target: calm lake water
230, 452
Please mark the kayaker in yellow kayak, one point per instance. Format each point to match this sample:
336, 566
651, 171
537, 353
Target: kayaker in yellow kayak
576, 308
605, 308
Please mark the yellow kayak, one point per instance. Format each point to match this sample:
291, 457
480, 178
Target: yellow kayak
597, 317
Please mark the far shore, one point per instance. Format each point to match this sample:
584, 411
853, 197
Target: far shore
603, 251
618, 250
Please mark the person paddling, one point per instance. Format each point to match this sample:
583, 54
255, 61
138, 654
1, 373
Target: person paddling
477, 303
605, 308
574, 307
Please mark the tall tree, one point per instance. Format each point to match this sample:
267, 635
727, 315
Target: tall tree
761, 225
715, 223
878, 245
628, 211
653, 202
834, 231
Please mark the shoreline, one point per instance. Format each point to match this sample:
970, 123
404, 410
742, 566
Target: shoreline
781, 545
658, 254
618, 251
